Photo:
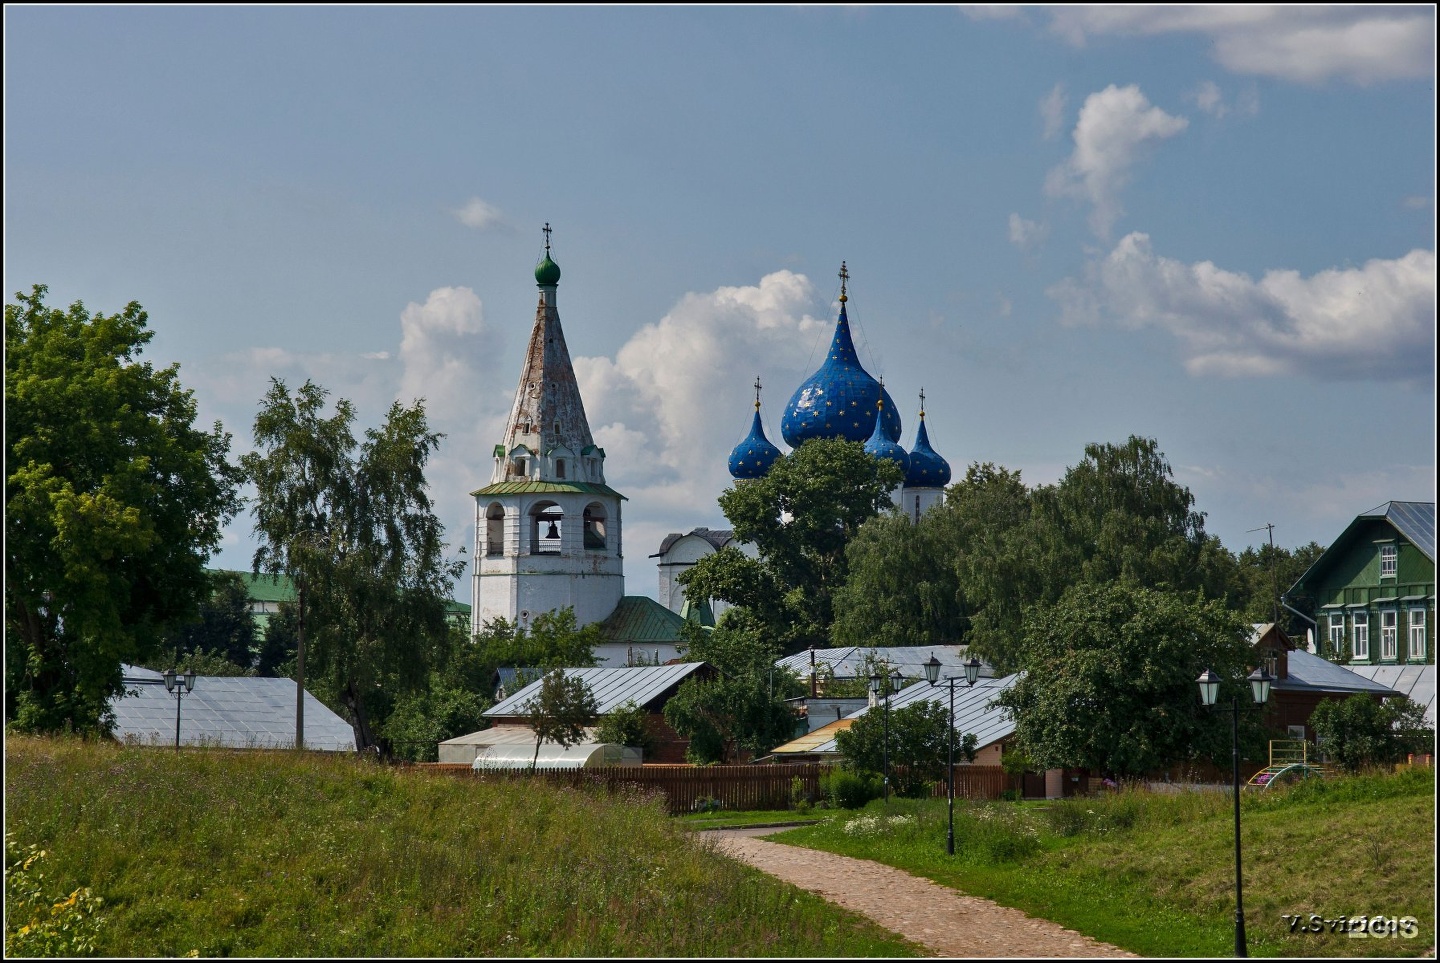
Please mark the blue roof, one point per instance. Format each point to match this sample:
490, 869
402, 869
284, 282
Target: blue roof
836, 401
753, 457
1311, 673
1414, 520
927, 468
882, 447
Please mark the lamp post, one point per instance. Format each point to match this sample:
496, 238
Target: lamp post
1209, 684
189, 686
932, 675
876, 683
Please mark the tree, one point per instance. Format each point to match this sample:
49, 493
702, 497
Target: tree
1109, 679
919, 745
742, 708
628, 725
113, 502
225, 629
560, 711
800, 516
1364, 731
1264, 574
357, 533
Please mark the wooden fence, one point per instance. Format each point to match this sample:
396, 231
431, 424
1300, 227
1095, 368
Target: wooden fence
689, 788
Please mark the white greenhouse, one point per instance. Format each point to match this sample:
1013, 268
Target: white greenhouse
586, 755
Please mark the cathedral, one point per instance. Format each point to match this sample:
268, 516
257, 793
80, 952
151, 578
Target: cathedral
548, 530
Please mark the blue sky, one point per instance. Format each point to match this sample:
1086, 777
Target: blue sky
1212, 226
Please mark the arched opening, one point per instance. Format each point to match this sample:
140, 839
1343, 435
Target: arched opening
495, 530
517, 466
559, 468
547, 524
595, 539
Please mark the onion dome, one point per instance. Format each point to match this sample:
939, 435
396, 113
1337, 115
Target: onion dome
753, 457
836, 401
547, 272
927, 468
882, 447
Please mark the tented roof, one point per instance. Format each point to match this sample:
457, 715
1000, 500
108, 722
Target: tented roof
237, 713
612, 688
589, 755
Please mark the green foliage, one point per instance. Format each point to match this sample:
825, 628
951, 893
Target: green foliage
1110, 674
742, 708
560, 711
41, 925
850, 790
422, 720
800, 517
919, 744
113, 502
225, 628
628, 725
1264, 574
323, 855
357, 533
1364, 731
551, 642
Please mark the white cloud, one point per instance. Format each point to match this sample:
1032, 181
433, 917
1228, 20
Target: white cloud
1371, 322
1209, 99
1052, 111
1305, 44
1418, 202
1027, 234
445, 350
479, 215
1116, 126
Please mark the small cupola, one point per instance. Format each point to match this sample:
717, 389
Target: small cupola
927, 468
753, 457
880, 444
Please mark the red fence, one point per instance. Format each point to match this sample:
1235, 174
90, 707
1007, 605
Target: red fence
734, 787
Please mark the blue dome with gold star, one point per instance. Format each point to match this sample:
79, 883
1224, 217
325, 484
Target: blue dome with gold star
882, 447
837, 400
753, 457
927, 468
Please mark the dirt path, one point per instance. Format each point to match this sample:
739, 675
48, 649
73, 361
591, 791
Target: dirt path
948, 922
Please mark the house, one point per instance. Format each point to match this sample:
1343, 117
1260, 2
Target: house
230, 712
1373, 590
1303, 681
649, 687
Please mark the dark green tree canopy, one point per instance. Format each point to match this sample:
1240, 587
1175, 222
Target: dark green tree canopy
799, 517
919, 744
1364, 731
1109, 679
113, 502
225, 630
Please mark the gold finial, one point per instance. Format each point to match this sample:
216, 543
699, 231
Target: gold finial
757, 392
844, 276
880, 402
922, 402
546, 229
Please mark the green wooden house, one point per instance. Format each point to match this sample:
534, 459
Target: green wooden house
1373, 589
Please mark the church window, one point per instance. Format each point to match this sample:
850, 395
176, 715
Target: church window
559, 468
517, 467
547, 522
595, 527
494, 530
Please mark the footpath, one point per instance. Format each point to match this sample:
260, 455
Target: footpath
943, 920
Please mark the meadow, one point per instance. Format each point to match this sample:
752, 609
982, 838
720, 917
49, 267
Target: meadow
222, 853
1153, 872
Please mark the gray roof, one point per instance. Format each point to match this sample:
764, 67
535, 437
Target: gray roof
612, 688
716, 537
975, 709
1312, 673
1414, 681
237, 713
848, 662
1414, 520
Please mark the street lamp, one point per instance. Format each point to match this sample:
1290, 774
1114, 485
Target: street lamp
932, 675
876, 682
189, 686
1260, 691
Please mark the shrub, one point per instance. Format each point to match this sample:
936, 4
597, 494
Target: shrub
851, 790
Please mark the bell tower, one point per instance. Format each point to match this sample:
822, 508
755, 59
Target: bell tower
547, 527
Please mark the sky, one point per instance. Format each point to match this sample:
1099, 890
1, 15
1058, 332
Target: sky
1210, 226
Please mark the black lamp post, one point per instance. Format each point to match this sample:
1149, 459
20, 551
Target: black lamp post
876, 683
1260, 690
932, 675
189, 686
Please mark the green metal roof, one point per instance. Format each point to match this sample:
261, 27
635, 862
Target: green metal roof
547, 488
641, 620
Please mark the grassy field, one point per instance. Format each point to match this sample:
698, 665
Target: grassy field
269, 854
1154, 873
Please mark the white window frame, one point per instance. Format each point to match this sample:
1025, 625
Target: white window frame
1360, 636
1389, 635
1389, 560
1337, 633
1417, 634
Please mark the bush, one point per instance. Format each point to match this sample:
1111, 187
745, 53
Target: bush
40, 925
851, 790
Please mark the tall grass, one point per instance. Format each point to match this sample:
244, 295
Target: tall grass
274, 854
1154, 872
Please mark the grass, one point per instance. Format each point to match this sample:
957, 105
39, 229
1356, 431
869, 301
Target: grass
739, 820
259, 853
1154, 873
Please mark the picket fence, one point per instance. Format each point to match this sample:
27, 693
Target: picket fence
693, 788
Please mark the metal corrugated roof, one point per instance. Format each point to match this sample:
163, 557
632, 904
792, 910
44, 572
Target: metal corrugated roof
546, 488
849, 661
1414, 520
975, 711
640, 620
1310, 672
812, 741
1416, 682
612, 688
237, 713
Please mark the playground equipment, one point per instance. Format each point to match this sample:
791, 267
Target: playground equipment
1289, 761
